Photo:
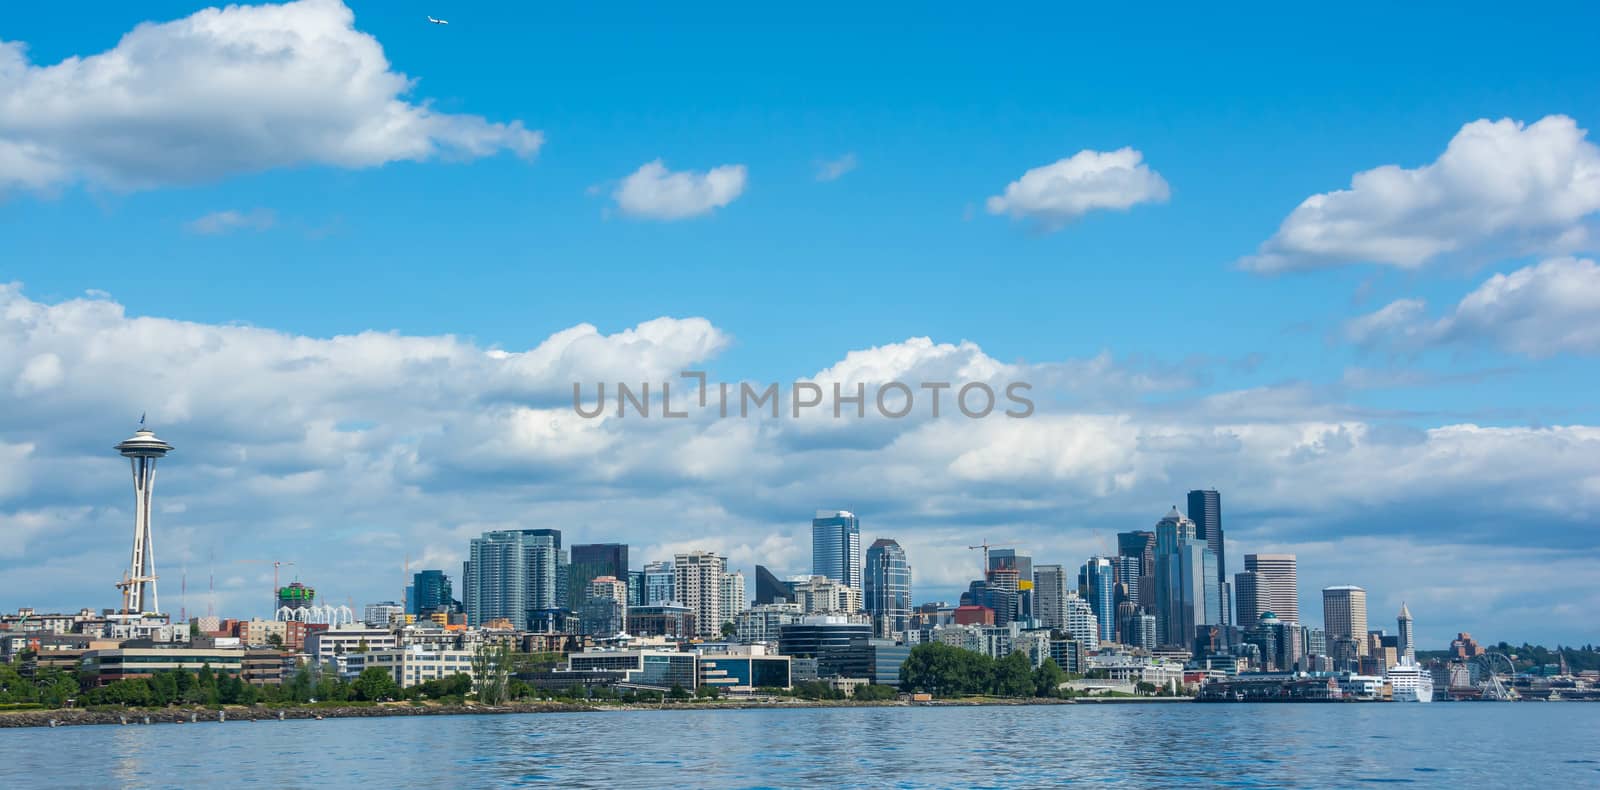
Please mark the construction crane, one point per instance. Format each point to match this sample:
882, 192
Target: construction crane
276, 564
984, 572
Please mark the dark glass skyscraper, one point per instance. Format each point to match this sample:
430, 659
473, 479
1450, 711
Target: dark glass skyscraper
1205, 510
1140, 545
590, 561
431, 592
888, 586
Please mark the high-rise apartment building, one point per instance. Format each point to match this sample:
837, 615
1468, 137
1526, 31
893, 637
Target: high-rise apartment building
888, 587
836, 547
1277, 586
822, 595
697, 579
1344, 615
733, 595
430, 592
1050, 596
511, 574
658, 583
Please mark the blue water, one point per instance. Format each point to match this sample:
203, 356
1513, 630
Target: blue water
1462, 744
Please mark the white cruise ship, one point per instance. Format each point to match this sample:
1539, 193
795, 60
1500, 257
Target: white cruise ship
1410, 682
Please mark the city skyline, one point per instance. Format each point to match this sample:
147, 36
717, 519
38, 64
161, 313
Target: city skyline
1355, 296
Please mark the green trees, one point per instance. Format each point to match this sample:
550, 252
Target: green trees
491, 667
374, 684
948, 671
872, 693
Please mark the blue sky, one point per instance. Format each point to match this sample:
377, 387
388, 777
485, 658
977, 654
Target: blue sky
1243, 114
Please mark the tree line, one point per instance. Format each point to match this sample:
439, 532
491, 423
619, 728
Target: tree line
948, 671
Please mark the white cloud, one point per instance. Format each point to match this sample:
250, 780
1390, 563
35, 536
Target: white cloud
1538, 311
225, 91
288, 444
654, 192
834, 169
1500, 187
220, 222
1060, 192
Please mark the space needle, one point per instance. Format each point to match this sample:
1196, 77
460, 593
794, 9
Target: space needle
142, 450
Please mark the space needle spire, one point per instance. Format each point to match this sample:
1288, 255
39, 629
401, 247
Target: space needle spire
138, 585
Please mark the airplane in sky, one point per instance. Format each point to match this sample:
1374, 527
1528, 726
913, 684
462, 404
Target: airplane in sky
438, 21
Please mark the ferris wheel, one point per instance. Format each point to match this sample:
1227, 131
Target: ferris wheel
1490, 666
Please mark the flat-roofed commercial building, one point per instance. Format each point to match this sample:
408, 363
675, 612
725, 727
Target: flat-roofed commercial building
107, 666
742, 671
412, 665
660, 669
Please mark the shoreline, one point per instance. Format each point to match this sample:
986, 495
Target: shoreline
70, 717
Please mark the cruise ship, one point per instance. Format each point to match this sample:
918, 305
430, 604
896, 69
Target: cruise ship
1410, 682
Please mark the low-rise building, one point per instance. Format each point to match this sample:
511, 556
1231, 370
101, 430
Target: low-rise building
323, 645
107, 666
412, 665
657, 669
742, 669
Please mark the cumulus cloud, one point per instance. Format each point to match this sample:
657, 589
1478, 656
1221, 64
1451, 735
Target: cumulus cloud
1537, 311
1064, 190
1500, 187
225, 91
834, 169
654, 192
348, 452
221, 222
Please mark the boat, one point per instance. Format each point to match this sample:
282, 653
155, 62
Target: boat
1410, 682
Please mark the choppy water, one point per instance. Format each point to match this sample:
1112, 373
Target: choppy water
1513, 745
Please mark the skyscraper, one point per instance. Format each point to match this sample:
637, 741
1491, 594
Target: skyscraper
836, 547
1277, 586
1140, 546
1173, 589
888, 587
590, 561
431, 592
143, 449
1408, 635
1013, 572
1050, 596
697, 579
1248, 597
511, 573
1097, 583
1205, 509
1344, 616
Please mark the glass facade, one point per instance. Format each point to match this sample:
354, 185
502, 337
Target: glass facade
836, 547
888, 590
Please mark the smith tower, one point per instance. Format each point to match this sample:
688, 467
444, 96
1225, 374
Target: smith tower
138, 585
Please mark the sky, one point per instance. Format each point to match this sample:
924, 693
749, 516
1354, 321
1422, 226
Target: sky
1338, 264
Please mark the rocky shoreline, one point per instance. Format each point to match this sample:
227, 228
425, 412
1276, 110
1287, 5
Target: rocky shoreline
77, 717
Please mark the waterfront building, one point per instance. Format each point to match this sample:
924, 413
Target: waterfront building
655, 669
822, 595
841, 647
658, 583
771, 589
697, 579
887, 657
411, 666
734, 600
888, 587
1407, 637
836, 547
1277, 585
124, 663
743, 670
323, 645
1344, 616
588, 561
512, 574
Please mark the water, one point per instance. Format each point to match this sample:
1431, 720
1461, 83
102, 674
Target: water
1012, 746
